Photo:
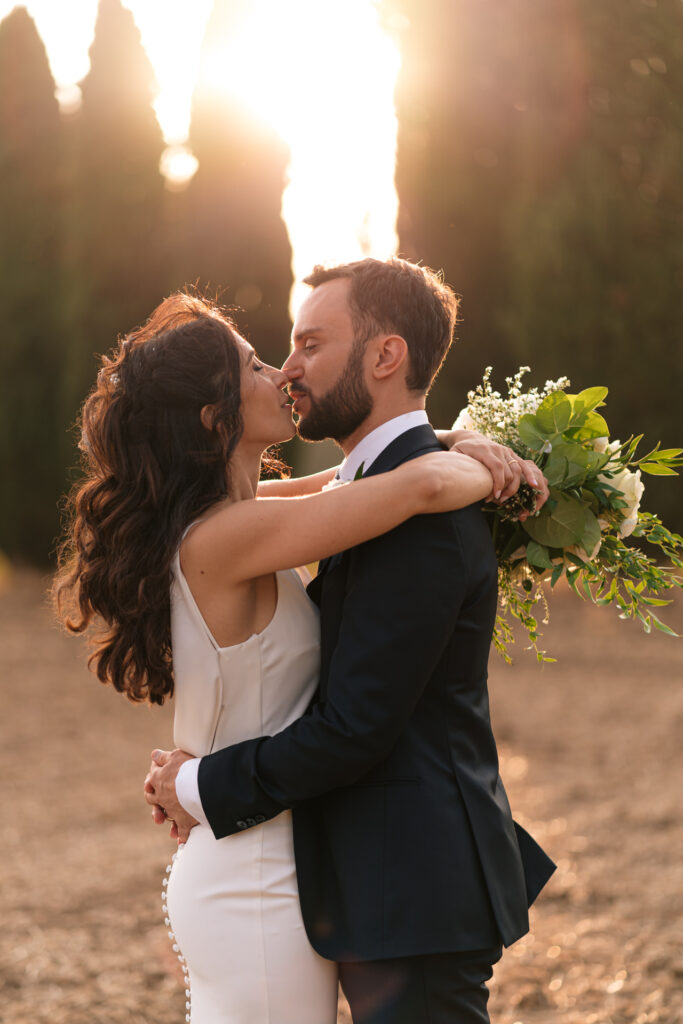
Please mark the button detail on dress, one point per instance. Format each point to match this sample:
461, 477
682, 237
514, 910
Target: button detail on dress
175, 947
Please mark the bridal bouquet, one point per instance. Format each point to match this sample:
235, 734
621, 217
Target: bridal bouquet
595, 492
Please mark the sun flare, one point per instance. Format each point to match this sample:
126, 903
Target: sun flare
322, 74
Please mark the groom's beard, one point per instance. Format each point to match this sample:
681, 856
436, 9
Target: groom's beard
341, 411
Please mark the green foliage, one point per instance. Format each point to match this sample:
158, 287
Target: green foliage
91, 241
539, 156
34, 335
594, 504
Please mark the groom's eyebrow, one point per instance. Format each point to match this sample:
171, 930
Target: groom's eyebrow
306, 332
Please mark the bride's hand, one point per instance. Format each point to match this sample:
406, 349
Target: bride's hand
507, 469
181, 826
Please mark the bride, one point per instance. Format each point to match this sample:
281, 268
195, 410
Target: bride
185, 563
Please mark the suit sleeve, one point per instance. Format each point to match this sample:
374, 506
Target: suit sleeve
405, 591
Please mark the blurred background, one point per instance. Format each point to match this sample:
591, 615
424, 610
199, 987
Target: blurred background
530, 148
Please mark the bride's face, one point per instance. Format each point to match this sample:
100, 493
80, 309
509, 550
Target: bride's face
266, 409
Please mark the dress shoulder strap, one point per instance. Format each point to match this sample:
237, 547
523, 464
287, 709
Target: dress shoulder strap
183, 535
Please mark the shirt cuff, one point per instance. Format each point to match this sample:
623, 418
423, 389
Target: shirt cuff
187, 790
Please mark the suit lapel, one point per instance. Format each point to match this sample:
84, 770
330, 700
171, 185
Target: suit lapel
409, 445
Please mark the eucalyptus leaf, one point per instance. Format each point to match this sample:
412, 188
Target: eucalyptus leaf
577, 462
559, 527
576, 474
554, 413
592, 397
579, 411
530, 432
555, 470
594, 426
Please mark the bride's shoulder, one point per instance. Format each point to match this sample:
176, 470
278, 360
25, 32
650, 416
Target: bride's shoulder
207, 543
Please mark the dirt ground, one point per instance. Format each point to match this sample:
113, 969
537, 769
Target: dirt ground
592, 756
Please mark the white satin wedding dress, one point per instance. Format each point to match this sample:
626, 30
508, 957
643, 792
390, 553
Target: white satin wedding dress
232, 904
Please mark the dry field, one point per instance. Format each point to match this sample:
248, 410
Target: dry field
592, 755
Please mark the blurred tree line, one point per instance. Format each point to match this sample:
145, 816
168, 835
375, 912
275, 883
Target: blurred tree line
539, 164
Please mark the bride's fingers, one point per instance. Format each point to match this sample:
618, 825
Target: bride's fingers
531, 473
534, 477
513, 476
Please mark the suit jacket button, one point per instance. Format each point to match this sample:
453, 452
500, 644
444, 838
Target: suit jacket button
258, 818
250, 822
241, 824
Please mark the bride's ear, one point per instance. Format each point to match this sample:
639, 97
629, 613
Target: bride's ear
208, 416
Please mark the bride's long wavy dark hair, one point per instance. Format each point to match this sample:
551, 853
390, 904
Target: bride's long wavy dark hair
151, 467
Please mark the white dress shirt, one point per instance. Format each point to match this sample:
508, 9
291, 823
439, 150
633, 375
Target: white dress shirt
364, 454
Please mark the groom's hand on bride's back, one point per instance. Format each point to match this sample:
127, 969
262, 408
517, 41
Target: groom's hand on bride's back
160, 793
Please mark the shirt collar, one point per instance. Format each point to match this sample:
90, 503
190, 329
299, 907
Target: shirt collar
374, 443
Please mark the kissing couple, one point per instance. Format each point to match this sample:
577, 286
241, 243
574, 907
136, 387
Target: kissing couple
335, 787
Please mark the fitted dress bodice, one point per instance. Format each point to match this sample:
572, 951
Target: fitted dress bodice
227, 694
233, 903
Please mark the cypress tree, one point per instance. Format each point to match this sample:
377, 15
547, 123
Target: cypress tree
32, 339
453, 173
597, 288
235, 240
118, 244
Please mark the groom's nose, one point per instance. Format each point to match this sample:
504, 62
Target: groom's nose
291, 367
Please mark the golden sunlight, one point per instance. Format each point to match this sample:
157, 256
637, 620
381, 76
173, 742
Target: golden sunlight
322, 74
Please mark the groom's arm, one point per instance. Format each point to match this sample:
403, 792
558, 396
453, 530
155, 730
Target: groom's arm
405, 592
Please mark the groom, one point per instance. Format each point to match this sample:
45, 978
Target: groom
411, 871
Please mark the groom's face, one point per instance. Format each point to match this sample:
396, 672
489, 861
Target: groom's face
326, 366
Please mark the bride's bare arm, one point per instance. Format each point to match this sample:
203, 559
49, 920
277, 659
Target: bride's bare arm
507, 468
251, 538
295, 486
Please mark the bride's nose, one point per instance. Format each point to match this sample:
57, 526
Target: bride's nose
280, 379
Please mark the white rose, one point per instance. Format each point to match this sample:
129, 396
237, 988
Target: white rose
631, 488
464, 421
603, 444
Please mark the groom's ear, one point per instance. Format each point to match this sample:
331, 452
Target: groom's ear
390, 355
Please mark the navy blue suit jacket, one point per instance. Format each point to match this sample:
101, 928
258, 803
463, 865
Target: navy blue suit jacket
404, 840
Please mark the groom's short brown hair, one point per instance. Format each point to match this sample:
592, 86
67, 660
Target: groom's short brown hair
396, 296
